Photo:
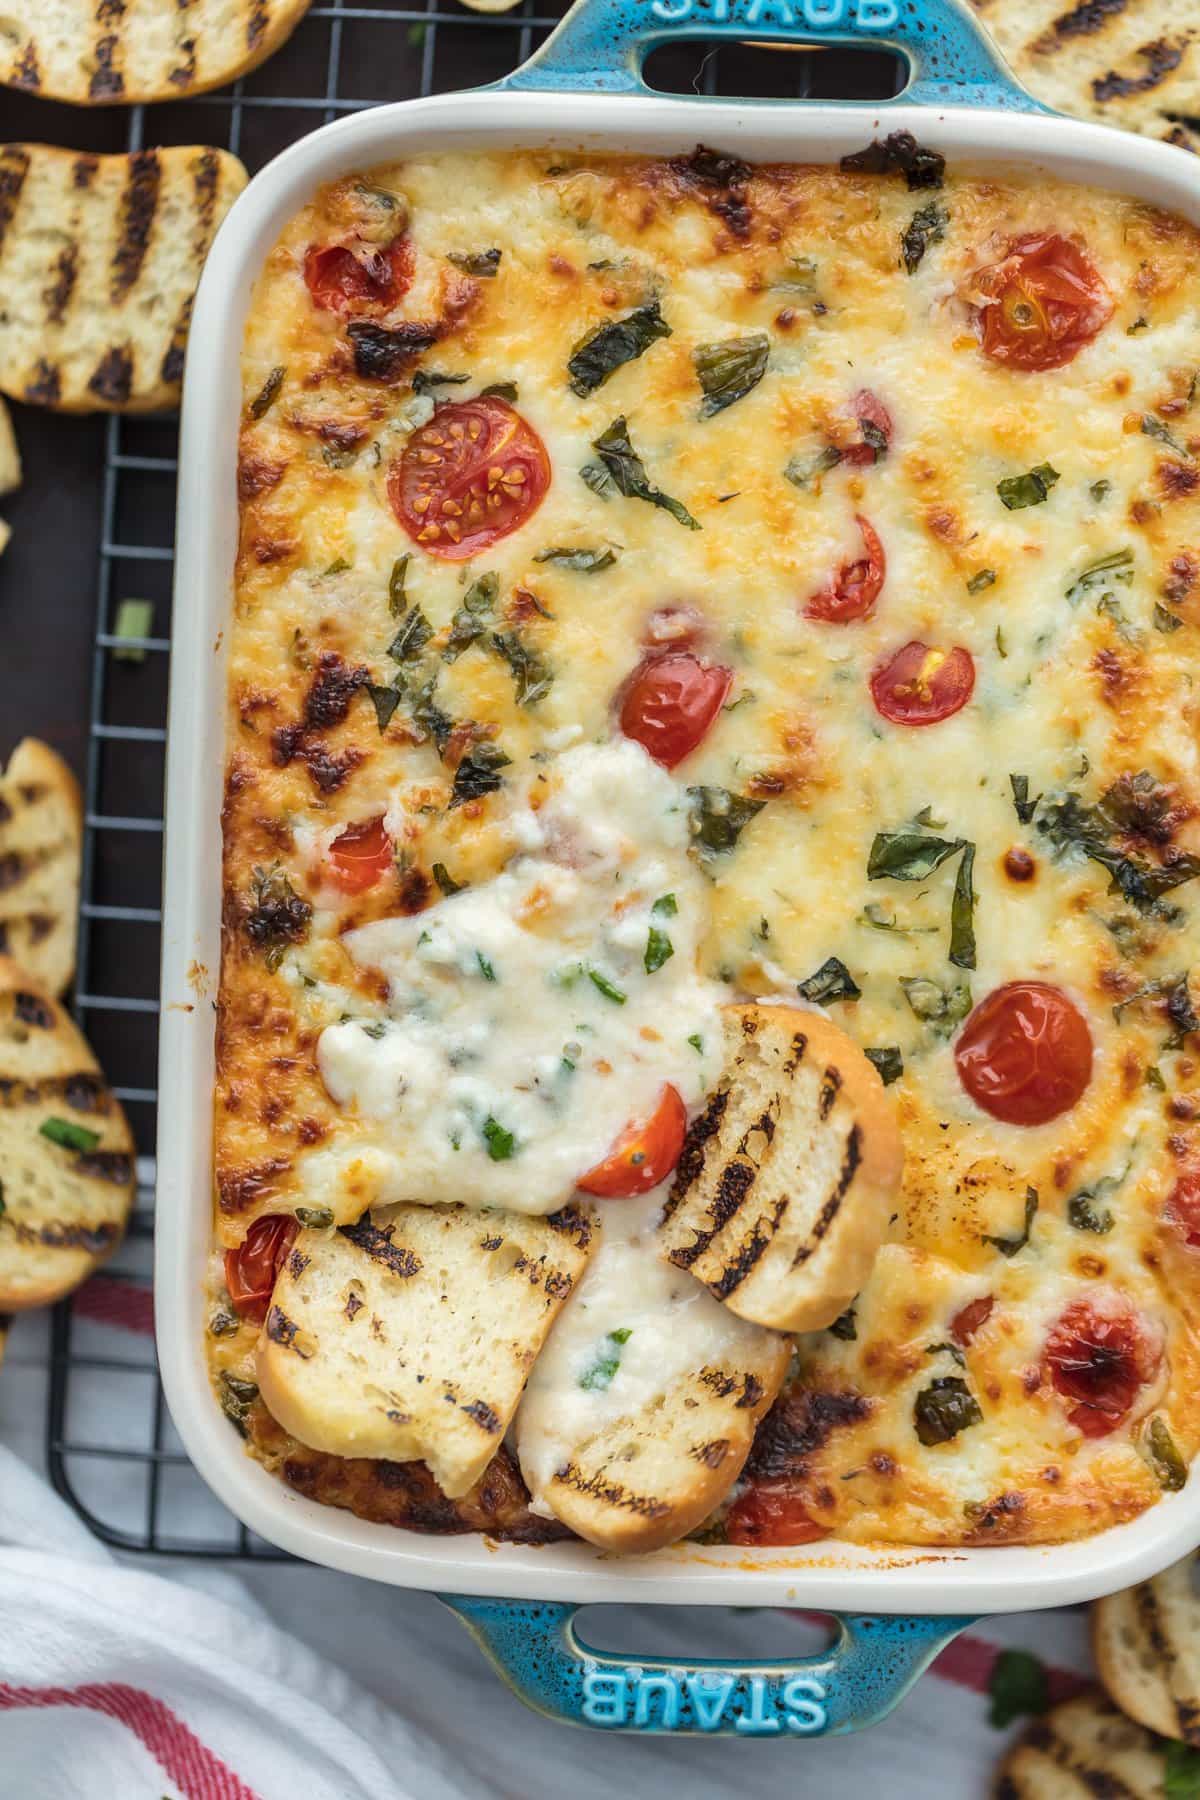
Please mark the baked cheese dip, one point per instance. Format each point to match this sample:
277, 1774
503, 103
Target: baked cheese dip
669, 583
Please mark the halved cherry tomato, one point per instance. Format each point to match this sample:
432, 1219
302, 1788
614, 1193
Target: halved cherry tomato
643, 1155
474, 473
1182, 1208
360, 856
670, 701
253, 1268
1098, 1356
1025, 1053
1041, 304
971, 1318
870, 412
854, 589
922, 684
365, 278
771, 1512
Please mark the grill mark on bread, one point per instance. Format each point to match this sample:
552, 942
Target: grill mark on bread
602, 1487
58, 295
1160, 58
112, 378
59, 1235
378, 1245
829, 1211
139, 208
831, 1087
46, 387
14, 166
284, 1331
31, 1009
1154, 1623
107, 82
690, 1166
1084, 20
82, 1092
26, 74
105, 1165
485, 1416
748, 1254
712, 1454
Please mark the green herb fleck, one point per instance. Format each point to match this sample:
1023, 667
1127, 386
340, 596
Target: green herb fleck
832, 981
1008, 1246
1155, 428
719, 818
470, 621
414, 633
1117, 566
666, 906
729, 370
608, 988
268, 393
888, 1061
982, 578
1165, 620
532, 675
1023, 806
486, 968
628, 474
942, 1009
697, 1043
385, 700
599, 1376
583, 562
617, 342
805, 472
943, 1409
397, 600
1030, 489
478, 773
927, 226
315, 1218
483, 263
500, 1143
135, 619
1017, 1686
962, 913
1168, 1464
69, 1136
1181, 1777
446, 881
659, 949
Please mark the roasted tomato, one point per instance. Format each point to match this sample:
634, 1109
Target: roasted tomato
922, 684
771, 1512
1099, 1354
852, 592
1040, 304
365, 278
1182, 1208
875, 425
360, 856
475, 472
971, 1318
251, 1270
1025, 1053
670, 701
643, 1155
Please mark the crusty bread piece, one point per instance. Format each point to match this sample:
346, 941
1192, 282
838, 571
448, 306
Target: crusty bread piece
646, 1479
64, 1207
410, 1334
99, 260
41, 827
1079, 1750
10, 456
789, 1173
1146, 1641
1133, 63
100, 54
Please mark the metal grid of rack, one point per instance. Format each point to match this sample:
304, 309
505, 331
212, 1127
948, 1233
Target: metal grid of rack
140, 1493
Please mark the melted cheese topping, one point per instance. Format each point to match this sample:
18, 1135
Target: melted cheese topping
1084, 678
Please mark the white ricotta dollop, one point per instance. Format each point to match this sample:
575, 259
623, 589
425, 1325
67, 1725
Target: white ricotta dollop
532, 1018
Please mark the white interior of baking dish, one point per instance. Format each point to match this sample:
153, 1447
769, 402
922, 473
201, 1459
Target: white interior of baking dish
834, 1576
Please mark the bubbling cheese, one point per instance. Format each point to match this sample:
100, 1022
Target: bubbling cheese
532, 1018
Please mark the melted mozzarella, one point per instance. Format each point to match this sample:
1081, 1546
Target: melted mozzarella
524, 1030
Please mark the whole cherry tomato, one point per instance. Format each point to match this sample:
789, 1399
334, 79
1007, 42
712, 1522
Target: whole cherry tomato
771, 1512
921, 684
971, 1318
252, 1269
1098, 1356
1040, 304
473, 474
670, 701
363, 279
876, 423
1025, 1053
643, 1155
361, 856
852, 592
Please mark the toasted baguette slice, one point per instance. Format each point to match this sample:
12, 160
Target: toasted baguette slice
787, 1177
99, 54
1146, 1642
41, 828
65, 1206
410, 1334
99, 260
10, 456
1079, 1750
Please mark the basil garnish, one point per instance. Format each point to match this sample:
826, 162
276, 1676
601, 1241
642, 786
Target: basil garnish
719, 818
531, 674
584, 562
470, 621
478, 773
603, 351
414, 633
500, 1143
927, 226
1117, 566
1030, 489
628, 474
69, 1136
832, 981
729, 370
608, 1361
659, 949
942, 1009
268, 393
483, 263
888, 1061
1008, 1246
943, 1409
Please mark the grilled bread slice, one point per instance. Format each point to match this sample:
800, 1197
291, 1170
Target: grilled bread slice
66, 1153
10, 466
409, 1335
1146, 1641
41, 825
1133, 63
99, 260
788, 1175
1081, 1749
95, 53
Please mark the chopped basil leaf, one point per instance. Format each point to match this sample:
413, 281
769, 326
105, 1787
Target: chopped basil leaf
962, 913
470, 621
69, 1136
338, 566
845, 1326
1165, 620
728, 371
619, 341
927, 226
697, 1043
806, 472
478, 773
314, 1218
629, 476
659, 949
584, 562
1070, 824
908, 855
381, 354
500, 1143
486, 967
446, 881
608, 1361
1030, 489
943, 1409
888, 1061
1116, 566
397, 599
666, 906
899, 154
268, 393
982, 578
1154, 1078
608, 988
426, 381
1168, 1465
947, 1350
1182, 1772
942, 1009
719, 818
414, 633
1155, 428
236, 1396
223, 1324
376, 1029
1017, 1685
532, 675
598, 479
1086, 1217
483, 263
428, 715
1008, 1246
500, 390
276, 915
1023, 806
135, 619
832, 981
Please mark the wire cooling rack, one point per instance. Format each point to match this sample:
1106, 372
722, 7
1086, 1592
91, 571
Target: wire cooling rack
112, 1450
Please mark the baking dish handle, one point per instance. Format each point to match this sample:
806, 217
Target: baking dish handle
854, 1682
600, 45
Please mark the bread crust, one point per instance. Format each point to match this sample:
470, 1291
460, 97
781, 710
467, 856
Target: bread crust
41, 836
1081, 1746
